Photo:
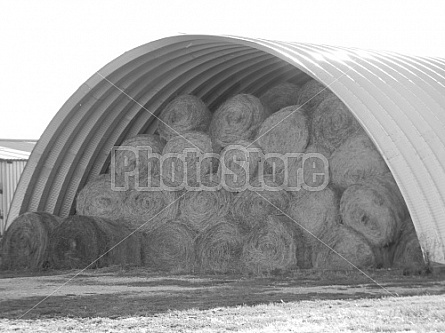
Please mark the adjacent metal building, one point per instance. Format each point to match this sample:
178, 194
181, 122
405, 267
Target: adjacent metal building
398, 99
13, 157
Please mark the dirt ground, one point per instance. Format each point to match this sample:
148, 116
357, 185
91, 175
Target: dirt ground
116, 292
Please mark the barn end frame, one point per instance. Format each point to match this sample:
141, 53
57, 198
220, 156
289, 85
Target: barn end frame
398, 99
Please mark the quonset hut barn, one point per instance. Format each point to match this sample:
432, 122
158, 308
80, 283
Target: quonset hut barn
398, 100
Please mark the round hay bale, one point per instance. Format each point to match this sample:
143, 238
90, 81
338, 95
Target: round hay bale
408, 253
333, 123
272, 247
185, 113
25, 244
219, 247
93, 242
138, 155
279, 96
264, 198
184, 157
308, 172
99, 198
170, 247
355, 160
239, 164
342, 248
148, 209
373, 209
315, 212
312, 93
237, 119
283, 132
200, 209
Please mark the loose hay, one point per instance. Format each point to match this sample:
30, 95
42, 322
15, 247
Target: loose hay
316, 212
93, 242
25, 244
264, 198
98, 198
219, 248
185, 113
280, 96
170, 247
333, 123
356, 160
375, 209
148, 209
137, 160
184, 158
312, 93
272, 247
346, 250
284, 132
201, 209
408, 253
237, 119
239, 163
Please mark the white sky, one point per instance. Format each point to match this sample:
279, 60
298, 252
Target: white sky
49, 48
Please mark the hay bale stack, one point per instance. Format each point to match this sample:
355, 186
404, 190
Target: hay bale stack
375, 209
279, 96
186, 113
219, 247
332, 123
342, 248
408, 253
264, 198
184, 158
99, 198
356, 160
316, 212
93, 242
239, 164
307, 172
284, 132
137, 160
201, 208
312, 93
148, 209
170, 247
236, 119
25, 244
272, 247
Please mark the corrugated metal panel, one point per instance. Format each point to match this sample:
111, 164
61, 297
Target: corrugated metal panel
10, 172
12, 154
399, 100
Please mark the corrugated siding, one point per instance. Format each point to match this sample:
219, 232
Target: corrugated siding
399, 100
10, 172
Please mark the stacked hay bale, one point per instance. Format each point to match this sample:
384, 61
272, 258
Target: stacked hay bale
236, 119
185, 161
204, 207
274, 247
136, 161
219, 248
239, 165
279, 96
170, 247
297, 184
284, 132
183, 114
93, 242
25, 244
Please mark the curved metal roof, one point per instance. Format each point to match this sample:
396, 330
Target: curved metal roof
398, 99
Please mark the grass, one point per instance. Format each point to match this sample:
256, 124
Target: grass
140, 300
400, 314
